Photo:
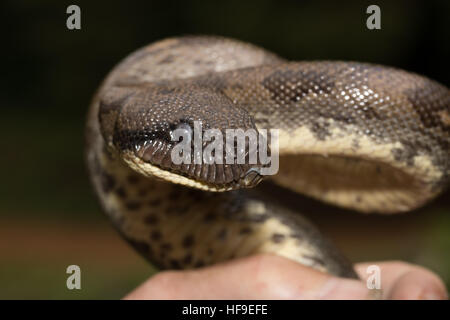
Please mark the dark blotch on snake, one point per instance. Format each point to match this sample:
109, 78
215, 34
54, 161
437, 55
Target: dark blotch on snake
154, 202
174, 195
278, 84
187, 259
188, 241
209, 217
151, 219
420, 97
155, 235
424, 106
245, 230
141, 247
133, 205
142, 192
108, 182
133, 179
171, 209
166, 246
121, 192
168, 59
175, 264
405, 154
222, 234
199, 264
320, 130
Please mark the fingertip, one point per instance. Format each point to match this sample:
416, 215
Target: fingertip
418, 285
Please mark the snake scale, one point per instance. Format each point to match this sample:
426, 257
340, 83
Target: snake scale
360, 136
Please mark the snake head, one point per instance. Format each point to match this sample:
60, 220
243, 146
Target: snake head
185, 138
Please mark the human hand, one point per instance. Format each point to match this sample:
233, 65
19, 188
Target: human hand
272, 277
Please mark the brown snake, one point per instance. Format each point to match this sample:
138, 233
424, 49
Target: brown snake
360, 136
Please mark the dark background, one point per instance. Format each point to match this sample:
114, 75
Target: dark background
49, 218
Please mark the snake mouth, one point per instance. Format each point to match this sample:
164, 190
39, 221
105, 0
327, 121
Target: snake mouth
154, 158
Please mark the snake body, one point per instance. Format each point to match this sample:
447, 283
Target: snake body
360, 136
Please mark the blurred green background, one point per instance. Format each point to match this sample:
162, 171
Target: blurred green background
49, 218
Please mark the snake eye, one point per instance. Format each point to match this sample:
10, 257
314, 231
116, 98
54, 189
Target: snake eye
182, 130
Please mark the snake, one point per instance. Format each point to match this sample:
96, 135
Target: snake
360, 136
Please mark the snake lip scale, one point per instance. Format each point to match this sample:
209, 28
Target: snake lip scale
366, 137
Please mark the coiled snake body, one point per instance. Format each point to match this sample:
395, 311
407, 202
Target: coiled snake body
361, 136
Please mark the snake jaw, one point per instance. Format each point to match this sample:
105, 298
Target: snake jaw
152, 159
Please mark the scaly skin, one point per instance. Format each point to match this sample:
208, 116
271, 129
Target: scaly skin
361, 136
